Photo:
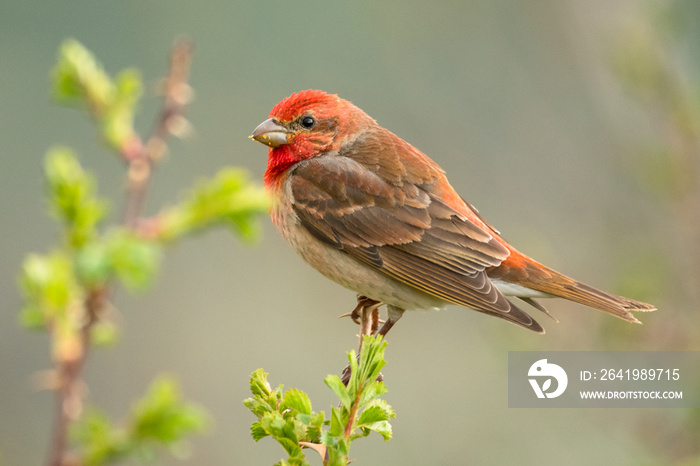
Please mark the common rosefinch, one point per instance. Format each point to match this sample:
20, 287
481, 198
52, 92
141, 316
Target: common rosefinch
376, 215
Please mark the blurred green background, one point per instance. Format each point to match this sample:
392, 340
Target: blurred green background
570, 125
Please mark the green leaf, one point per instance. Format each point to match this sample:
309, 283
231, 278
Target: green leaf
101, 442
54, 299
80, 80
134, 259
283, 431
366, 368
104, 333
93, 264
257, 431
229, 199
375, 418
383, 428
336, 384
292, 420
47, 279
314, 426
372, 357
118, 118
338, 456
297, 459
371, 391
122, 253
327, 439
297, 400
129, 86
32, 318
265, 400
160, 418
290, 445
371, 415
258, 383
163, 416
354, 383
338, 422
300, 429
72, 198
49, 287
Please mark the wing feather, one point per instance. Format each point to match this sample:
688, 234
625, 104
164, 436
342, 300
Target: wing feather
401, 228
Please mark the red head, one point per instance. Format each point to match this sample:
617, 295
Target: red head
304, 125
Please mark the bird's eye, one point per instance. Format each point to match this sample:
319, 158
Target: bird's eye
308, 122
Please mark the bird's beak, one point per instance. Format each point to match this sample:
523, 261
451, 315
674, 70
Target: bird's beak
270, 133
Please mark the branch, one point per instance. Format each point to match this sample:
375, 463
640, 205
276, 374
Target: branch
69, 392
140, 159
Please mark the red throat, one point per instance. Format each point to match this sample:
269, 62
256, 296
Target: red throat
278, 161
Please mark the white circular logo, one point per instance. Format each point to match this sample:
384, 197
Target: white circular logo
544, 371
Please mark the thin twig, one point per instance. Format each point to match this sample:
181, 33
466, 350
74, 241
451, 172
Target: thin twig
351, 416
70, 390
141, 158
365, 324
369, 319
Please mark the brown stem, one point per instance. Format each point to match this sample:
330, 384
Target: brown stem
69, 392
352, 415
365, 324
369, 318
140, 159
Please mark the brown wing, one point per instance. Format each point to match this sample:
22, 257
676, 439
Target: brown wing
401, 229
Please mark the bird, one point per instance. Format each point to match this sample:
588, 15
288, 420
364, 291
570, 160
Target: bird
376, 215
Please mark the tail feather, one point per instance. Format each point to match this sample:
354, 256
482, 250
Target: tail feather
535, 276
539, 307
616, 305
564, 287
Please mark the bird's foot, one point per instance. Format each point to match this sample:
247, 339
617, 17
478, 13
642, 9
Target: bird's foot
364, 303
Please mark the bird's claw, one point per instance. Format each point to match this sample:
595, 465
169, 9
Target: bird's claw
352, 315
363, 302
356, 318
